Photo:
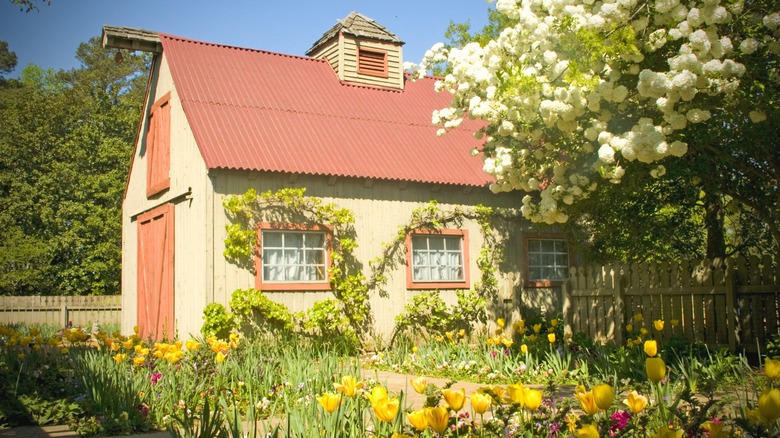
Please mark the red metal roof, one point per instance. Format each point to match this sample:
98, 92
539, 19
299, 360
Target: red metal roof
257, 110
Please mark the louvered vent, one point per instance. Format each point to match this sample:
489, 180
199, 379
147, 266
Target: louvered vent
372, 63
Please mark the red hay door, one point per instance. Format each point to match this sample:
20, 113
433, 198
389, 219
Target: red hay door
155, 274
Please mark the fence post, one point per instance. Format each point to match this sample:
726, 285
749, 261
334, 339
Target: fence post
63, 314
731, 305
566, 305
617, 294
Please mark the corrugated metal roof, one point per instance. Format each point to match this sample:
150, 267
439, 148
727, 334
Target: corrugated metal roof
257, 110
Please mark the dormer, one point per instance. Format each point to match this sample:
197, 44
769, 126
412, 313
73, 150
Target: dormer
362, 52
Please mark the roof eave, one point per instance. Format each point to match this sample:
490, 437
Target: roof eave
131, 38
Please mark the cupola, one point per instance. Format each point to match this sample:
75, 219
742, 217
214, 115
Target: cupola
362, 52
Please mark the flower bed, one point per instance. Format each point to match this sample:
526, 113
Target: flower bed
112, 384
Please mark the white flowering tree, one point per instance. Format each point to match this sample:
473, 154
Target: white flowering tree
577, 92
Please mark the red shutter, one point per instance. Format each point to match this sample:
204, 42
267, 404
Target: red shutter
158, 147
155, 273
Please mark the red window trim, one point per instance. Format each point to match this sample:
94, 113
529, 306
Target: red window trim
372, 72
278, 226
154, 153
526, 268
419, 285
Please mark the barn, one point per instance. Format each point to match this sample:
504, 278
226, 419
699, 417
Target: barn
345, 123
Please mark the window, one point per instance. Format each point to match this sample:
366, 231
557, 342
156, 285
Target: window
292, 257
548, 261
158, 150
372, 62
437, 259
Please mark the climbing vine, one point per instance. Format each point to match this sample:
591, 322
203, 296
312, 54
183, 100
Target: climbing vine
290, 205
350, 286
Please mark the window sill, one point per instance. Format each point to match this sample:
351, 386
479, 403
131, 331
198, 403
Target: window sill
434, 285
302, 287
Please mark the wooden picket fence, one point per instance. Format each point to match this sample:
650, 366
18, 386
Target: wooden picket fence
81, 311
733, 303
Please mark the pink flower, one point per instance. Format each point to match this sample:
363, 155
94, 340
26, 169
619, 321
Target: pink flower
620, 419
155, 377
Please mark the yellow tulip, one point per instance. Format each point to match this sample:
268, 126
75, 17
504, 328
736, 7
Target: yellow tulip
192, 345
349, 386
588, 431
655, 368
643, 331
329, 401
638, 317
119, 357
419, 384
139, 360
551, 337
500, 322
462, 333
533, 399
629, 328
438, 418
635, 402
772, 369
588, 402
418, 420
714, 429
221, 357
516, 393
537, 328
128, 344
658, 324
455, 398
507, 341
651, 348
769, 404
554, 322
378, 393
665, 432
386, 409
603, 395
524, 349
480, 402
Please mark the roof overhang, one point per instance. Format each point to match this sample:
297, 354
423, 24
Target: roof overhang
131, 38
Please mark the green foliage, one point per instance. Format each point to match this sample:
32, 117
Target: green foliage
65, 146
217, 321
291, 205
428, 314
256, 311
47, 412
7, 59
327, 321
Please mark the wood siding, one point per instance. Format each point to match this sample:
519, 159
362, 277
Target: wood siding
394, 77
379, 209
191, 195
331, 51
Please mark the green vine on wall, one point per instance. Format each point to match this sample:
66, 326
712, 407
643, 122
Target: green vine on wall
350, 287
292, 206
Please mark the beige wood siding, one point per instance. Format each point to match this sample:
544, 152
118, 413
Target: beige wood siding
330, 51
379, 208
350, 73
193, 237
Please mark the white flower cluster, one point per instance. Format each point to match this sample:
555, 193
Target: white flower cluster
572, 89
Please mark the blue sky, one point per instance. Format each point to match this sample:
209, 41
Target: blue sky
49, 37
